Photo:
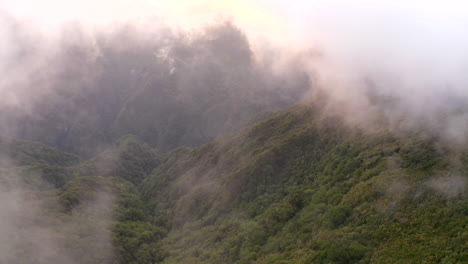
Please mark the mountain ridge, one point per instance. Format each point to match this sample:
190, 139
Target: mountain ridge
297, 187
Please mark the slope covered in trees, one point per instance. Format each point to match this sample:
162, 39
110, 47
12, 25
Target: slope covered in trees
301, 188
54, 211
298, 187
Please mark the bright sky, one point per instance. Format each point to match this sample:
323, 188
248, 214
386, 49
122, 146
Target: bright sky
420, 41
288, 18
411, 29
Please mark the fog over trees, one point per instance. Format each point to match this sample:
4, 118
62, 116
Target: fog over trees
168, 87
142, 142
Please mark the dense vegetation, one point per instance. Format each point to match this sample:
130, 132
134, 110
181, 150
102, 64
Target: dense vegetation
297, 187
294, 189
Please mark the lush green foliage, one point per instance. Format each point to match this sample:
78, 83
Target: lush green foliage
86, 213
20, 153
296, 188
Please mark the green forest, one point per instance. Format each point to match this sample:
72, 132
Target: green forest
237, 141
293, 188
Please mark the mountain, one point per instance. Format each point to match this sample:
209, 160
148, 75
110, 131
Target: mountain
168, 88
57, 208
299, 186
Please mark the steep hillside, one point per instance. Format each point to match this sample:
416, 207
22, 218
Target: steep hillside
300, 188
233, 132
56, 209
23, 152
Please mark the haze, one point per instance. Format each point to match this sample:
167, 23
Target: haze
413, 51
153, 105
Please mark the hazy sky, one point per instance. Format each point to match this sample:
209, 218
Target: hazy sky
408, 35
301, 22
415, 51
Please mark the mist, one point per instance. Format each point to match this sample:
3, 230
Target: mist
402, 63
80, 75
391, 62
37, 227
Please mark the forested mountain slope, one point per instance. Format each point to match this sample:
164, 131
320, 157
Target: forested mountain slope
298, 187
302, 188
58, 209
